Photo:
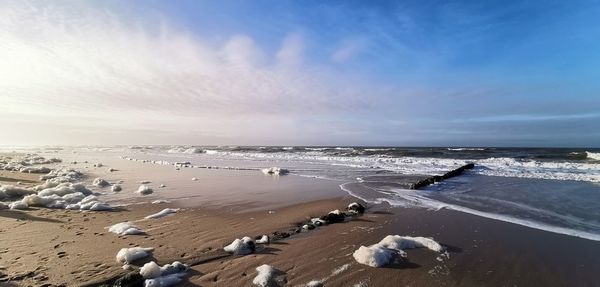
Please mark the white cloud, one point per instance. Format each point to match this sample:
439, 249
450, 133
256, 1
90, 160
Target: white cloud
292, 50
84, 68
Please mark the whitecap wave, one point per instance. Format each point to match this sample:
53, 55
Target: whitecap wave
593, 155
466, 149
502, 166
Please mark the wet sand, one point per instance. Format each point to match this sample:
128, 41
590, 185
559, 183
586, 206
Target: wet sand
73, 248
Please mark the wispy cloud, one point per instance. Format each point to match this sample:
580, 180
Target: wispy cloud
530, 117
91, 63
348, 50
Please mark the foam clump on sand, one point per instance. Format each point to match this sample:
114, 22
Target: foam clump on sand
265, 276
64, 196
116, 188
18, 205
51, 201
128, 255
64, 189
164, 281
125, 228
60, 190
57, 176
376, 255
144, 190
35, 169
25, 163
275, 171
389, 248
14, 191
162, 213
152, 270
263, 240
241, 246
160, 201
408, 242
314, 283
91, 202
99, 182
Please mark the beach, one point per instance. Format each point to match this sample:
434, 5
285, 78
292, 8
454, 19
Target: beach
55, 247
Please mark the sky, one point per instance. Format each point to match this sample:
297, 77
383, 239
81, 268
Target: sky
400, 73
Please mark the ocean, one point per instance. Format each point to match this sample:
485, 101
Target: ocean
553, 189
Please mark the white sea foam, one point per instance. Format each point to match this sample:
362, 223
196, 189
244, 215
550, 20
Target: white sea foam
129, 255
144, 190
99, 182
14, 191
507, 167
160, 201
164, 281
125, 228
390, 247
162, 213
263, 240
466, 149
65, 188
185, 150
26, 163
35, 169
240, 246
152, 270
593, 155
265, 276
275, 171
18, 205
335, 272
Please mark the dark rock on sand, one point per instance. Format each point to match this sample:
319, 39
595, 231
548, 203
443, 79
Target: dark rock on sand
131, 279
334, 217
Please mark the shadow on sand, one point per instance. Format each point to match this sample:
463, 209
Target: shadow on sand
25, 216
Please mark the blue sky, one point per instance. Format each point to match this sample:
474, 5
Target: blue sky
468, 73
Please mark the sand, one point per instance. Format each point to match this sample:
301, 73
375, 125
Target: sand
72, 248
